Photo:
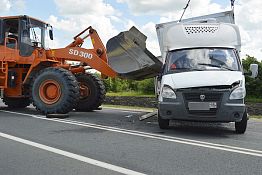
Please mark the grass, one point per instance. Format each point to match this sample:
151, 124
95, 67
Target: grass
129, 93
253, 99
256, 116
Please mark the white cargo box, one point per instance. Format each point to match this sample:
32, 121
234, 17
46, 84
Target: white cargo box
215, 30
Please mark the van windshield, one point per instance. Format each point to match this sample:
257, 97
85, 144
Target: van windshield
202, 59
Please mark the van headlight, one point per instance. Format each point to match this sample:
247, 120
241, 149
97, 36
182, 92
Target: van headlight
238, 93
168, 92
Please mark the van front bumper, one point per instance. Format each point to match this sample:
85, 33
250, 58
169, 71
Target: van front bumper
226, 111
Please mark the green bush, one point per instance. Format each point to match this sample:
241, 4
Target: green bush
121, 85
146, 86
253, 86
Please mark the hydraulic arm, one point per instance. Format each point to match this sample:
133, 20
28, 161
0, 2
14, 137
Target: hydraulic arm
96, 57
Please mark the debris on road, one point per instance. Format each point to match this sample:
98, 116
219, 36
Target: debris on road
61, 116
148, 115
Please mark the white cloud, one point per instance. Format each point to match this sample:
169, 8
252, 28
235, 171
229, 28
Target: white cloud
248, 16
167, 10
170, 8
74, 25
129, 24
62, 24
76, 7
76, 15
152, 6
18, 5
152, 42
7, 5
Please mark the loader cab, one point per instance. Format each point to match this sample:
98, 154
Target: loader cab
23, 33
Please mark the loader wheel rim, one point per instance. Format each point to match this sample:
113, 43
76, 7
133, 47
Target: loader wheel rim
50, 91
84, 91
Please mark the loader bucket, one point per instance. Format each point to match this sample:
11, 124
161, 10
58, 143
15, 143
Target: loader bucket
128, 56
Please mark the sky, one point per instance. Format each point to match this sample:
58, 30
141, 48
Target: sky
109, 17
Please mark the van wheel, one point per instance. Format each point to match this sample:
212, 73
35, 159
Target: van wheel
242, 125
163, 123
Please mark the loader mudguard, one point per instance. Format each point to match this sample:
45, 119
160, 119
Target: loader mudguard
128, 56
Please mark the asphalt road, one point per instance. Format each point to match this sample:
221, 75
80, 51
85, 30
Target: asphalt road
113, 141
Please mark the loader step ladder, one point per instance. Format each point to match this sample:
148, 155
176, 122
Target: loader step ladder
3, 74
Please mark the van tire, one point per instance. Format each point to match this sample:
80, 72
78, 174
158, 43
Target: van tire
163, 123
241, 126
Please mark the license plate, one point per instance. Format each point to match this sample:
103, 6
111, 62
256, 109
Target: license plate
197, 106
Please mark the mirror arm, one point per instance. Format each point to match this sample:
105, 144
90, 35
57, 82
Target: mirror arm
247, 73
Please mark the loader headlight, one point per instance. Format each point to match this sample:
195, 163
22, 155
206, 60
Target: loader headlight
168, 92
238, 93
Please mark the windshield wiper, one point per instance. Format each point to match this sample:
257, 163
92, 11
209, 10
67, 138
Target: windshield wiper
214, 65
187, 69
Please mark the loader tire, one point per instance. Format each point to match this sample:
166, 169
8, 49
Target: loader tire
92, 92
16, 102
54, 91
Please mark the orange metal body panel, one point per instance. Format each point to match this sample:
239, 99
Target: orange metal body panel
96, 58
78, 55
16, 91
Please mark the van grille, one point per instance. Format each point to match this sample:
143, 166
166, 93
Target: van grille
209, 97
195, 96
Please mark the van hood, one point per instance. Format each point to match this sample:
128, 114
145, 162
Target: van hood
202, 78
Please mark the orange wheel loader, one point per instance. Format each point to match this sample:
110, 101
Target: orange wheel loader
32, 73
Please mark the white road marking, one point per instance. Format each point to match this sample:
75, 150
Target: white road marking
72, 155
222, 147
128, 110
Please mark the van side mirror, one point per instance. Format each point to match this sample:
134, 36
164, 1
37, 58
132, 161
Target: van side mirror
51, 34
254, 70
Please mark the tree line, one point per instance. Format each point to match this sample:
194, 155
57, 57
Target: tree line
122, 85
253, 86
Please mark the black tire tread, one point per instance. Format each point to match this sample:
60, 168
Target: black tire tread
241, 126
71, 98
163, 123
92, 104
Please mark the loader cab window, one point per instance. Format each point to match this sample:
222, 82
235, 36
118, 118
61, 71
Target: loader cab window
32, 36
10, 31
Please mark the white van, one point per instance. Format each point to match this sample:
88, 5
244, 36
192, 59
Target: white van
202, 78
